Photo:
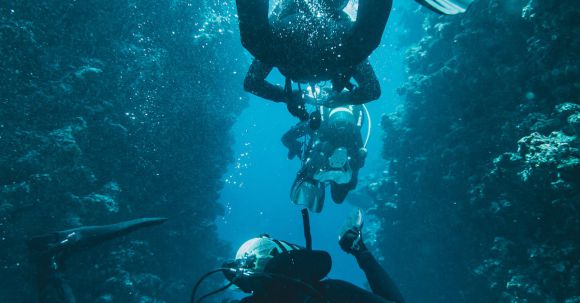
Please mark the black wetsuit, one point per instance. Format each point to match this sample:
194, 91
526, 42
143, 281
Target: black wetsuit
335, 291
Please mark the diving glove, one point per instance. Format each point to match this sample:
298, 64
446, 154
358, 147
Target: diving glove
351, 240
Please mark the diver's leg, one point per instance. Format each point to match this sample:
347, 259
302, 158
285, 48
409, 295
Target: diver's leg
255, 30
354, 181
339, 192
51, 285
368, 29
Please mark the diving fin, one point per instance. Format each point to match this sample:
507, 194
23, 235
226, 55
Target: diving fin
446, 7
309, 194
354, 221
86, 236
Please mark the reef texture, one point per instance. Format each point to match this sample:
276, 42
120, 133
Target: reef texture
109, 111
480, 200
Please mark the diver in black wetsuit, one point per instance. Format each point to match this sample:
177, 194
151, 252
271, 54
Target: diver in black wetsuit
49, 253
333, 155
281, 272
311, 41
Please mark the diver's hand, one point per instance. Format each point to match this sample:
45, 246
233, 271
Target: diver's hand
295, 106
351, 241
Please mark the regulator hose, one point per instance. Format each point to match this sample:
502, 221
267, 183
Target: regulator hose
369, 125
205, 276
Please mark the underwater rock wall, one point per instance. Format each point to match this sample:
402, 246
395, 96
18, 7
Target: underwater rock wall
479, 202
113, 110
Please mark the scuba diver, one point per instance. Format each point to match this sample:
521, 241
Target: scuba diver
49, 253
334, 154
310, 41
277, 271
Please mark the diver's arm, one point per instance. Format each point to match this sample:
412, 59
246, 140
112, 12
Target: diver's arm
293, 134
256, 83
380, 282
368, 88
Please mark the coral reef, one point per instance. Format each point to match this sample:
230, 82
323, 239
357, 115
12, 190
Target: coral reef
109, 111
479, 201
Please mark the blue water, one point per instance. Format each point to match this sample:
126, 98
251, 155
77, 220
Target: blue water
256, 195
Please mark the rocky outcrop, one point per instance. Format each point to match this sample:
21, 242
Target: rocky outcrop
113, 110
479, 202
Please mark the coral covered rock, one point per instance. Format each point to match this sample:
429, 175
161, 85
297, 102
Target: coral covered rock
483, 158
109, 112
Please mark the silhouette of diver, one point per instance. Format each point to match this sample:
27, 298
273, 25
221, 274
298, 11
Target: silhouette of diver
50, 251
311, 41
277, 271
